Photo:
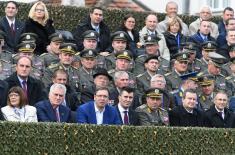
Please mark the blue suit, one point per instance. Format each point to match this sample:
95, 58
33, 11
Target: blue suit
45, 112
86, 114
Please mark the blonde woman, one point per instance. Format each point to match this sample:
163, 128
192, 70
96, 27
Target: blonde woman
17, 108
40, 24
173, 35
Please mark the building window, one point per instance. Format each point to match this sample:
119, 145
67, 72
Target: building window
218, 4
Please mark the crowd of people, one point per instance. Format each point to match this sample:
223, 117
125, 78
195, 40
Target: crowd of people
168, 73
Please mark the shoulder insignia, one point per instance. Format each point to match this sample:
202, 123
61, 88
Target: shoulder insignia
139, 75
200, 74
74, 68
4, 61
174, 91
53, 66
77, 54
228, 78
43, 54
222, 75
162, 109
111, 71
141, 56
167, 74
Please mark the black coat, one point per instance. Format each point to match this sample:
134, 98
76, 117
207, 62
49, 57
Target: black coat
172, 43
12, 40
133, 117
3, 93
224, 50
43, 33
213, 118
87, 94
35, 88
104, 35
180, 117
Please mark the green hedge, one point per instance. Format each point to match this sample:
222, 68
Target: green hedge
56, 139
67, 17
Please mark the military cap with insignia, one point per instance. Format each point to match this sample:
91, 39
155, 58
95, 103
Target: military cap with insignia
151, 39
190, 76
206, 80
90, 34
232, 48
28, 37
181, 56
119, 35
56, 37
68, 48
154, 92
26, 47
217, 59
189, 47
102, 71
2, 35
150, 58
124, 55
88, 53
209, 46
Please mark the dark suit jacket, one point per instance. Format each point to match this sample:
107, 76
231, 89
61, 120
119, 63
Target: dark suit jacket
45, 112
35, 88
213, 118
3, 93
86, 114
133, 117
12, 40
180, 117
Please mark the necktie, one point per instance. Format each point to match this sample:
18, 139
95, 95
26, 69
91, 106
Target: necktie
126, 119
221, 114
24, 84
12, 29
57, 115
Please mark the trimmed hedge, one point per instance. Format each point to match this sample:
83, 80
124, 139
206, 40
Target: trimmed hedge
54, 138
68, 17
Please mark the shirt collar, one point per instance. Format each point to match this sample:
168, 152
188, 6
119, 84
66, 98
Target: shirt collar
121, 109
219, 110
97, 110
10, 21
21, 80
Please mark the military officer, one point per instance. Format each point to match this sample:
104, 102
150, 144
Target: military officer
207, 85
214, 68
28, 37
207, 47
119, 44
226, 67
85, 73
143, 80
151, 49
194, 64
5, 54
66, 57
151, 113
122, 63
230, 80
52, 57
180, 67
90, 39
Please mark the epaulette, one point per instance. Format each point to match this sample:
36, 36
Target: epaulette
228, 78
200, 74
141, 56
77, 54
162, 109
139, 75
167, 74
197, 60
53, 66
4, 61
222, 75
111, 71
174, 91
74, 67
14, 55
43, 54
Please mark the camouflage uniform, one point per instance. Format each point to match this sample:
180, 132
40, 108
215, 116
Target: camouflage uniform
6, 69
49, 58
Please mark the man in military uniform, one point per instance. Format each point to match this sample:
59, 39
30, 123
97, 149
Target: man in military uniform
143, 80
119, 44
180, 67
189, 81
207, 85
85, 73
194, 64
151, 113
27, 49
214, 68
226, 67
90, 38
151, 49
207, 47
52, 57
230, 80
122, 63
66, 57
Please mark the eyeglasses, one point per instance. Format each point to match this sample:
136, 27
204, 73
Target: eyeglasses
14, 95
39, 10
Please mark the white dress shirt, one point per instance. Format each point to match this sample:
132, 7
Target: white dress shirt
99, 115
122, 112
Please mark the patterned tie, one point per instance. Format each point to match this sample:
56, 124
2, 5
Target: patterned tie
24, 84
126, 119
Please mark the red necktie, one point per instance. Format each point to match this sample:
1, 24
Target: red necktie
126, 119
